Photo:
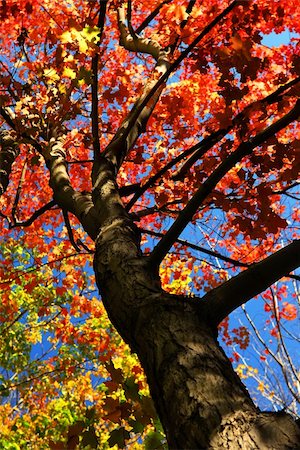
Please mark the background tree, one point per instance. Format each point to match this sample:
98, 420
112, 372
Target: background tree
163, 131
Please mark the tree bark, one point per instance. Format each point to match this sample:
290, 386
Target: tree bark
199, 398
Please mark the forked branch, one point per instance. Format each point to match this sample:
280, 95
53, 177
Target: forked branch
79, 204
198, 248
132, 41
43, 209
136, 121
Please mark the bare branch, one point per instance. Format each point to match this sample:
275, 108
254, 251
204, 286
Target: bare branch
129, 189
224, 299
8, 117
188, 10
35, 215
70, 231
281, 339
135, 43
295, 277
151, 16
85, 247
206, 251
287, 188
18, 193
244, 149
272, 354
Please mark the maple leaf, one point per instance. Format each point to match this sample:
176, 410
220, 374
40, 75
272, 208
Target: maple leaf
83, 37
289, 311
69, 73
187, 126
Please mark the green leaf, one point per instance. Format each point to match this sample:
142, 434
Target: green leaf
118, 437
89, 438
154, 440
131, 389
137, 427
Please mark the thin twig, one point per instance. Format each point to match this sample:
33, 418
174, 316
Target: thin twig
152, 16
275, 307
271, 353
70, 231
234, 262
35, 215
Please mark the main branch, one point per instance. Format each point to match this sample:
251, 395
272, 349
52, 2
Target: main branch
224, 299
77, 203
136, 120
245, 148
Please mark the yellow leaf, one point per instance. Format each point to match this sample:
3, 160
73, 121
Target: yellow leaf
67, 37
69, 73
214, 95
34, 336
82, 45
180, 13
62, 88
91, 34
51, 75
88, 35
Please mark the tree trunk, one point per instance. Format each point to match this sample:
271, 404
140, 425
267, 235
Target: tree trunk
199, 398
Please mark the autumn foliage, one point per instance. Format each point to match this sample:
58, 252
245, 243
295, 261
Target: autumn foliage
216, 161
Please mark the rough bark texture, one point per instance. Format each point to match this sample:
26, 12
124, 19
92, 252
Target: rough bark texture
200, 400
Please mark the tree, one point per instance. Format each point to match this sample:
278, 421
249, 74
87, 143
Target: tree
138, 118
